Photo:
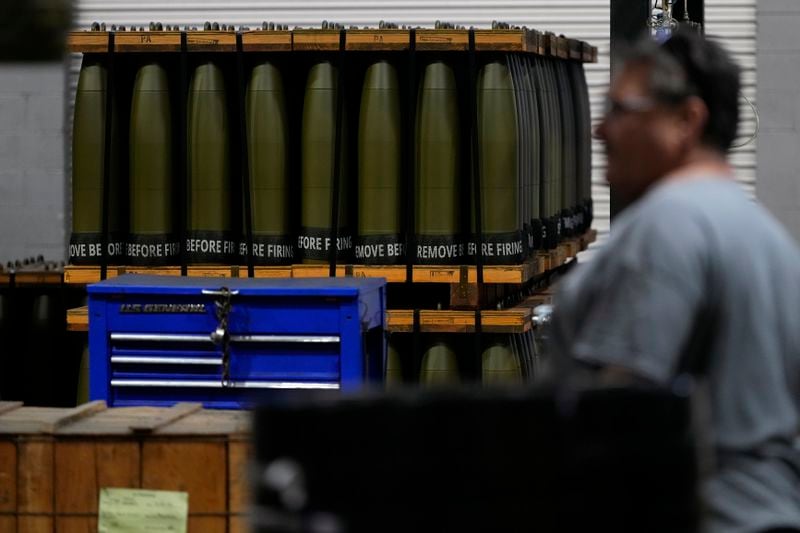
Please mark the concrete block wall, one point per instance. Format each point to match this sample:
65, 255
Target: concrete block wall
32, 181
778, 49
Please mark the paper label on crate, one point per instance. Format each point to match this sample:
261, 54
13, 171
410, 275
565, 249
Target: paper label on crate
134, 511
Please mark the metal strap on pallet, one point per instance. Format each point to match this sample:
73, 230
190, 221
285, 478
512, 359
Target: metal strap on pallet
416, 357
183, 154
472, 104
337, 159
410, 158
243, 153
109, 107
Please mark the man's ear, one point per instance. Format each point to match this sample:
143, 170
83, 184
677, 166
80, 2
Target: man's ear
694, 115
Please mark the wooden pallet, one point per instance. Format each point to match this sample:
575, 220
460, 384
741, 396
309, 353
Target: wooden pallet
78, 319
512, 320
54, 461
306, 39
28, 278
393, 273
452, 321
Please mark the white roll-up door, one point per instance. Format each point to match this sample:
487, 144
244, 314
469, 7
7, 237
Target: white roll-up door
732, 20
733, 24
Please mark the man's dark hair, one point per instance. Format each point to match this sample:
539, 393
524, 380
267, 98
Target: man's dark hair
686, 65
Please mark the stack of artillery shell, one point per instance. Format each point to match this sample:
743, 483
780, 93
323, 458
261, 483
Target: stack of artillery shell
583, 131
152, 239
439, 365
317, 152
88, 159
553, 163
499, 364
498, 146
569, 162
533, 164
209, 235
438, 213
269, 177
379, 239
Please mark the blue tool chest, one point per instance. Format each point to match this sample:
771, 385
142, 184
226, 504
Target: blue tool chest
157, 340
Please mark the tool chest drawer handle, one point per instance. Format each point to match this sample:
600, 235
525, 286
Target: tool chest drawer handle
218, 292
166, 360
329, 339
218, 385
161, 337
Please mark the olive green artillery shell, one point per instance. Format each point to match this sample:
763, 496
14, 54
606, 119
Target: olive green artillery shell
394, 371
208, 152
552, 137
317, 146
266, 149
580, 129
151, 184
556, 138
88, 155
545, 137
437, 134
558, 196
514, 65
534, 146
439, 365
584, 132
379, 148
567, 136
497, 138
500, 365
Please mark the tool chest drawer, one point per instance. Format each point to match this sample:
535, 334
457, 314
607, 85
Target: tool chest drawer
157, 340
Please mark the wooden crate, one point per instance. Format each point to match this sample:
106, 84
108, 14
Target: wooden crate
53, 463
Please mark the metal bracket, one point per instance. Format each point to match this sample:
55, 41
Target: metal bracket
463, 281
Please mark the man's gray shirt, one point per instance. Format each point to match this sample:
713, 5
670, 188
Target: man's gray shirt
686, 251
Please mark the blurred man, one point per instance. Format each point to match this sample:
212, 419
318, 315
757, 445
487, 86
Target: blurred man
695, 276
